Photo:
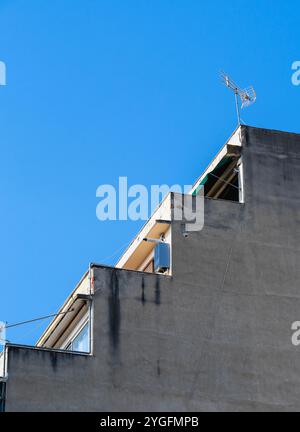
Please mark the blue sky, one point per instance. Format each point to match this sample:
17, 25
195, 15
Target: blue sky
102, 89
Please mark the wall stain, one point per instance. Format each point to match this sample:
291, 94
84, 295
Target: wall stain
143, 298
114, 312
53, 359
157, 291
158, 371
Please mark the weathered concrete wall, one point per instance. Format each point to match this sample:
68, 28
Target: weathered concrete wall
215, 336
126, 306
248, 282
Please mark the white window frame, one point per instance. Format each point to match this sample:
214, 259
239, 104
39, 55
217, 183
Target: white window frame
241, 182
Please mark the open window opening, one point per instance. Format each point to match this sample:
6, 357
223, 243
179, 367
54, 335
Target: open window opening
224, 181
142, 254
72, 329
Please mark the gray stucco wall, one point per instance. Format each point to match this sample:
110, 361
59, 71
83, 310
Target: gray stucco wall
215, 336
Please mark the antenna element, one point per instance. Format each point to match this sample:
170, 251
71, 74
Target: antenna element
247, 96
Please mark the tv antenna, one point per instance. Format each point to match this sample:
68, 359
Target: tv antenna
247, 96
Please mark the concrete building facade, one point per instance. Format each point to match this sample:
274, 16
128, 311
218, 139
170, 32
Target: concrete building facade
212, 333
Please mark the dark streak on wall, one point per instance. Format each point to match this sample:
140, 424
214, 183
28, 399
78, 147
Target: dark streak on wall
53, 359
158, 367
2, 396
143, 298
114, 312
157, 291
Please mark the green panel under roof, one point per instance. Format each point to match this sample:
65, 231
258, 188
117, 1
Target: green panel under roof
204, 180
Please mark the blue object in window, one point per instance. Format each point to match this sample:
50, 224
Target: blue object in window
161, 257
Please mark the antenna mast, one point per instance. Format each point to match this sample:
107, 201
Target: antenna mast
247, 96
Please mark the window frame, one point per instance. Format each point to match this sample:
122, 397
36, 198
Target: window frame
67, 345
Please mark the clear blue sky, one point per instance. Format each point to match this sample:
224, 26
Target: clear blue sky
102, 89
